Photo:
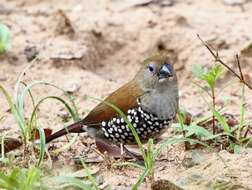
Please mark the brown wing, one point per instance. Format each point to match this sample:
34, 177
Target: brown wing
124, 98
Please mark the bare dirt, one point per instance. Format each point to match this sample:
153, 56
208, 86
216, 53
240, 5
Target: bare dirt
93, 47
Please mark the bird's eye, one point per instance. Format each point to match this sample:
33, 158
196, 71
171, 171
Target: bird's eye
151, 68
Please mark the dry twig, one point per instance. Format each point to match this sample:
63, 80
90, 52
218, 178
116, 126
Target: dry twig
217, 59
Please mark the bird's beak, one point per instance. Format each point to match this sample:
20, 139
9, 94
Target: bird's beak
165, 72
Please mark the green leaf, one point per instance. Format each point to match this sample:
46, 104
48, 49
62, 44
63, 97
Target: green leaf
175, 140
198, 71
4, 38
221, 120
194, 129
210, 76
237, 149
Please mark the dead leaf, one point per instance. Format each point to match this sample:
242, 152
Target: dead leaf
10, 144
64, 25
163, 184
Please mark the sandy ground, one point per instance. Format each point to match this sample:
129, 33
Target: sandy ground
93, 47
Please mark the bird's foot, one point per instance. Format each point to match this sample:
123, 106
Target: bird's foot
121, 152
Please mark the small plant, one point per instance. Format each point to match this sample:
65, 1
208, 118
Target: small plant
21, 179
234, 135
210, 77
4, 38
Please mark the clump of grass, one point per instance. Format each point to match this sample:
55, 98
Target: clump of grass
29, 124
33, 178
210, 77
27, 179
21, 179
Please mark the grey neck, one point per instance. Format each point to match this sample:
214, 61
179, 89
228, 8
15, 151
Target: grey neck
162, 103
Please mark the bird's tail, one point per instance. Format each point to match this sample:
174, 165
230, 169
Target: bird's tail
73, 128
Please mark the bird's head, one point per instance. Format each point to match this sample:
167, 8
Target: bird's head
157, 73
158, 81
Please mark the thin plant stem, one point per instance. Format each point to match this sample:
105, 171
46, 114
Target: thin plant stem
247, 132
181, 122
239, 66
242, 112
214, 103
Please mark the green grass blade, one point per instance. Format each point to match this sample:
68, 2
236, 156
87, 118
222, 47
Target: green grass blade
90, 177
222, 120
32, 177
218, 135
140, 180
19, 79
150, 157
15, 112
21, 97
42, 145
73, 182
175, 141
70, 98
30, 125
69, 109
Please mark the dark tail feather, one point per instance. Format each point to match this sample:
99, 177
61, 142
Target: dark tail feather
73, 128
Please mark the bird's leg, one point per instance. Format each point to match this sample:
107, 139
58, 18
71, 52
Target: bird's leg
121, 147
138, 157
122, 155
112, 150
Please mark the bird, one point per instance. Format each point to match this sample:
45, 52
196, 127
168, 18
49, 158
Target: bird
150, 102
